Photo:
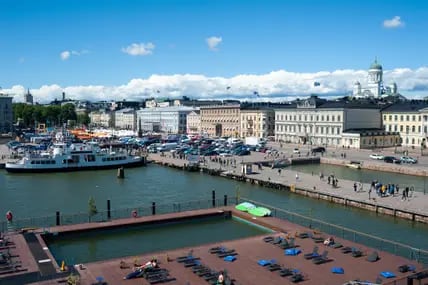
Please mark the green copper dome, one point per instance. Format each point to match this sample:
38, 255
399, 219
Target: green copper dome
375, 65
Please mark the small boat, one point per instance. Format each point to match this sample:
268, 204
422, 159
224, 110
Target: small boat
260, 212
245, 206
354, 164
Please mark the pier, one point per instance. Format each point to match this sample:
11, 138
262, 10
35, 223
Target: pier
415, 208
41, 267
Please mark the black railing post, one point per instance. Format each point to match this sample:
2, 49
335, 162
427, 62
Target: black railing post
58, 218
108, 210
225, 200
153, 208
213, 198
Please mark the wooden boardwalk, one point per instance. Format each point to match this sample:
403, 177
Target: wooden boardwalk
245, 269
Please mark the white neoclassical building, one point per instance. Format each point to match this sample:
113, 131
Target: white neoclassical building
375, 86
125, 119
316, 121
165, 119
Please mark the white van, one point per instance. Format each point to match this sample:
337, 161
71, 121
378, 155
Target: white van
167, 147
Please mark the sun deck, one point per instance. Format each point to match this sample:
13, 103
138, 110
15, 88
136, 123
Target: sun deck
244, 269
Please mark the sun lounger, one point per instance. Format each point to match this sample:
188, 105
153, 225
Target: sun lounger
187, 259
217, 249
284, 272
321, 259
274, 267
406, 268
303, 235
356, 252
346, 249
318, 238
13, 270
266, 262
312, 254
373, 257
277, 240
228, 253
296, 278
336, 245
162, 280
269, 239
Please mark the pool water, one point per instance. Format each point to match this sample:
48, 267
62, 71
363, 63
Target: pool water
96, 245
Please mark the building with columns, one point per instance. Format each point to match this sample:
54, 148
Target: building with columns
221, 120
164, 119
316, 121
257, 122
375, 86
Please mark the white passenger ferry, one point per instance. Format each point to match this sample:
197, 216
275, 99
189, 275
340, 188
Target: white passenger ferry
76, 157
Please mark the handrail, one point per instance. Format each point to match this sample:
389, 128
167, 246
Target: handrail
411, 249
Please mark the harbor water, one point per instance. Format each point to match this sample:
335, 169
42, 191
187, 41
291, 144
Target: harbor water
38, 195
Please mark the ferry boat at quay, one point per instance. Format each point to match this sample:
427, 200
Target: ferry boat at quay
75, 157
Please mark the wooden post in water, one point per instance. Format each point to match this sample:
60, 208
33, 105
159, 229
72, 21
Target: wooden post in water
108, 210
153, 208
213, 198
225, 200
58, 218
121, 172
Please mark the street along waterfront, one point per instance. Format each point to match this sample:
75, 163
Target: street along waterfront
41, 195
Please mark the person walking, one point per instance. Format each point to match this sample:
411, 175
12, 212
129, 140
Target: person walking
370, 191
297, 177
355, 186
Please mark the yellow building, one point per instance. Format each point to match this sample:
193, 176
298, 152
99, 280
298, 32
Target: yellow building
406, 118
257, 122
220, 120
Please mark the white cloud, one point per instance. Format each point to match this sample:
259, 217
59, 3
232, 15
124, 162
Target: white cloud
395, 22
213, 42
139, 49
67, 54
280, 85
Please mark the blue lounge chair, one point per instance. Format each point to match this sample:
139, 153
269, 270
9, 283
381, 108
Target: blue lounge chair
312, 254
321, 259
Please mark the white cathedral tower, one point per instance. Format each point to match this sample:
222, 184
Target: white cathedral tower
375, 87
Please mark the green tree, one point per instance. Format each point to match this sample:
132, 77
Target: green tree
92, 208
83, 119
67, 113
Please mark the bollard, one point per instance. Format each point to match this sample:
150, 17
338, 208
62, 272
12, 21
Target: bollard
121, 172
58, 218
108, 210
225, 200
213, 198
153, 208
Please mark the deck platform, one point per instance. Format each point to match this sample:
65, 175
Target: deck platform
244, 269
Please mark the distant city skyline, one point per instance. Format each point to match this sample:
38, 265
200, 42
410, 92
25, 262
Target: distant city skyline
279, 50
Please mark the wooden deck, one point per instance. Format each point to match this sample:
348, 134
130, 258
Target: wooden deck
245, 269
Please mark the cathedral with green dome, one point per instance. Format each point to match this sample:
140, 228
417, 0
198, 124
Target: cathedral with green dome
375, 87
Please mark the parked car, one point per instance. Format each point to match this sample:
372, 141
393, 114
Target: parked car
296, 151
318, 149
391, 159
377, 156
408, 159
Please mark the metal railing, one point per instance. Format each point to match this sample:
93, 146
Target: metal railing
419, 255
46, 222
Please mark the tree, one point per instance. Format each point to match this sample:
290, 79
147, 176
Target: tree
83, 119
92, 208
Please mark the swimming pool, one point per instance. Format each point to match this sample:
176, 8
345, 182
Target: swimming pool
101, 244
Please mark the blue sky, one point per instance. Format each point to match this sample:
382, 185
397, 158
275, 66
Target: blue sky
105, 48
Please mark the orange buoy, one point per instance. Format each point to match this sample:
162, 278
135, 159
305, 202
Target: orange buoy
9, 216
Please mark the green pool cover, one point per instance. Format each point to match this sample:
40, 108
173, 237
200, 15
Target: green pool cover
260, 212
245, 206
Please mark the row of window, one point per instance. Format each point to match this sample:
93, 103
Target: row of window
320, 130
414, 117
394, 128
310, 117
114, 158
43, 162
